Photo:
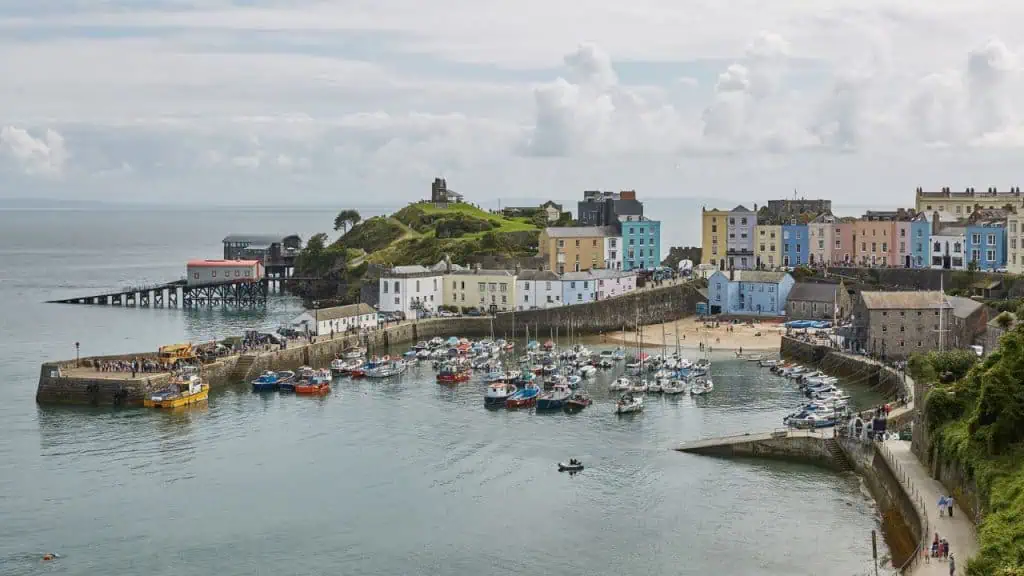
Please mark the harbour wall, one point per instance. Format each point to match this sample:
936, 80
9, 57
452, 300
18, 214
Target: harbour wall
70, 381
795, 446
862, 371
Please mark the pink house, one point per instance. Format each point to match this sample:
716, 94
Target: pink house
901, 250
843, 251
873, 241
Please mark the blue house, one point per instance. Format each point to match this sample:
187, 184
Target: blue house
749, 292
986, 244
920, 237
795, 244
641, 242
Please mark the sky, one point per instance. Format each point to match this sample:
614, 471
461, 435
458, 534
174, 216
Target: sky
360, 102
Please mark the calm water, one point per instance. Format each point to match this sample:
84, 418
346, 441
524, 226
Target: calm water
403, 477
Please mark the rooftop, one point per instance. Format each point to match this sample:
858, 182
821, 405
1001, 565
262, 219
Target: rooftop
484, 272
598, 274
537, 276
264, 239
924, 300
219, 263
581, 232
813, 292
343, 311
408, 270
964, 307
755, 276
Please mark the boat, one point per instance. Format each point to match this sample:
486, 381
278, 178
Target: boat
619, 354
497, 393
621, 385
496, 376
453, 374
524, 397
341, 367
421, 345
568, 467
549, 345
639, 387
656, 386
628, 403
702, 386
387, 369
573, 381
184, 389
577, 401
353, 353
318, 384
673, 387
269, 381
587, 371
436, 342
767, 363
303, 375
554, 399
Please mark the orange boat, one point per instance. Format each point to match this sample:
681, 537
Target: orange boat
318, 385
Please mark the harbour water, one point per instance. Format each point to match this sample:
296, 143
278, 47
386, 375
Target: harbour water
401, 477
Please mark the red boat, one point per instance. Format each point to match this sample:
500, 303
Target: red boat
549, 345
524, 397
453, 375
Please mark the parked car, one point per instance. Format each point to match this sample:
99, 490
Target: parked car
474, 312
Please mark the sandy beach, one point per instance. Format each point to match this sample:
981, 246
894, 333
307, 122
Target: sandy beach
759, 337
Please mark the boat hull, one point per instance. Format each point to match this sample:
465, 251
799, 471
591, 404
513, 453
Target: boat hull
521, 402
265, 386
547, 404
312, 389
179, 400
452, 378
495, 401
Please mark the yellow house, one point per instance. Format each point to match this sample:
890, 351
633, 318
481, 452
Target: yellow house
578, 249
768, 246
713, 237
480, 289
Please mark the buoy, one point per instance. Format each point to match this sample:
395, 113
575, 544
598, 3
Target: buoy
48, 557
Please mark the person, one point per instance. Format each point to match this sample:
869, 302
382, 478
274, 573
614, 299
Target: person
952, 565
942, 506
949, 505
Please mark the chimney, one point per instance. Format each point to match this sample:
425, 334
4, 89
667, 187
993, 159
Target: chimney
518, 268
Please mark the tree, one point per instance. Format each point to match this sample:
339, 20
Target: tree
1004, 320
346, 219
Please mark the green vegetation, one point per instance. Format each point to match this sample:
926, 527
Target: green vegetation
346, 219
975, 413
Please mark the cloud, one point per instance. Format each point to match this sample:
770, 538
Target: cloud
42, 156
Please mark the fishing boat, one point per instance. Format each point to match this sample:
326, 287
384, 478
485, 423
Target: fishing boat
387, 369
353, 353
674, 387
701, 387
622, 384
555, 399
628, 403
573, 381
619, 354
524, 397
497, 393
341, 367
270, 381
549, 345
184, 389
577, 401
436, 342
318, 384
303, 375
453, 374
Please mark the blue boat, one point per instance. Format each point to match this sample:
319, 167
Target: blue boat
267, 382
555, 399
524, 397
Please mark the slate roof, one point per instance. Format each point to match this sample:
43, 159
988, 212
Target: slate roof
537, 276
764, 276
581, 231
964, 307
343, 311
813, 292
925, 300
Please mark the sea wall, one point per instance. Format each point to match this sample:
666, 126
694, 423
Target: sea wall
902, 523
860, 370
788, 446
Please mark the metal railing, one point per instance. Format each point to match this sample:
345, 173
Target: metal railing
918, 501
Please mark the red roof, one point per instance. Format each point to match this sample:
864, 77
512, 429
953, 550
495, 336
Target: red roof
221, 263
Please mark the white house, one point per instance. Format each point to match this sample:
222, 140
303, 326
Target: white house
613, 252
221, 271
339, 319
578, 288
612, 283
407, 289
948, 248
538, 289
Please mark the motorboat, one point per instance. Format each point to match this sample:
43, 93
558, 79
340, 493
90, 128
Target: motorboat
524, 397
619, 354
639, 387
184, 389
495, 376
421, 345
622, 384
767, 363
318, 384
497, 393
387, 369
570, 466
573, 381
701, 386
554, 399
436, 342
628, 403
587, 371
605, 363
269, 381
353, 353
655, 386
453, 374
341, 367
577, 401
302, 375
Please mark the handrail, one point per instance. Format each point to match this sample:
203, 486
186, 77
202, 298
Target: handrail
916, 499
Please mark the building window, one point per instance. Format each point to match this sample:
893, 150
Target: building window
990, 256
561, 243
213, 274
481, 286
417, 286
398, 300
885, 246
991, 240
863, 246
579, 297
975, 254
976, 238
525, 285
195, 276
503, 287
903, 232
385, 287
397, 291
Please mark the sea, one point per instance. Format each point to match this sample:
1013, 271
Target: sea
396, 477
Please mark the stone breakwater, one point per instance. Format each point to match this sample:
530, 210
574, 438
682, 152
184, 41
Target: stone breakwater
65, 382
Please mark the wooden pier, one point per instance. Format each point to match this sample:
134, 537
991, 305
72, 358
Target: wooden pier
242, 294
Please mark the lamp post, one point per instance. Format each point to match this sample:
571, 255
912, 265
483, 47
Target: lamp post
316, 317
77, 362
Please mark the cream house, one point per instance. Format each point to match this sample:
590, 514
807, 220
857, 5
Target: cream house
481, 289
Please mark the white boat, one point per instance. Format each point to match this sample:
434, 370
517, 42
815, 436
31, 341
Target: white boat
341, 367
387, 370
436, 342
629, 403
674, 387
639, 387
702, 386
354, 353
497, 393
767, 363
619, 354
588, 371
656, 386
573, 381
621, 385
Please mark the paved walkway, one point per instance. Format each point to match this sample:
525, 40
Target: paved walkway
959, 530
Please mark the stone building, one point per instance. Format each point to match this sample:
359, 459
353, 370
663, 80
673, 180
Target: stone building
898, 324
968, 322
813, 301
993, 332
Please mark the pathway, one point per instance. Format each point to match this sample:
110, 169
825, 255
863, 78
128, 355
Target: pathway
959, 530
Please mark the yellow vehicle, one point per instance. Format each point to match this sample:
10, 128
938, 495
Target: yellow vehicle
185, 388
173, 352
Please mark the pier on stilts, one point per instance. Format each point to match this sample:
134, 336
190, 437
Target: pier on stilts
241, 294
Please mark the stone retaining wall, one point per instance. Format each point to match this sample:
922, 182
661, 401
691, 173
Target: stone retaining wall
862, 371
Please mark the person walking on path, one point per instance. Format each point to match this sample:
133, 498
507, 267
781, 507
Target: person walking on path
952, 565
942, 506
949, 505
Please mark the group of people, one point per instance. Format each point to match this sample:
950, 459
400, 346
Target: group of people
945, 506
133, 366
940, 549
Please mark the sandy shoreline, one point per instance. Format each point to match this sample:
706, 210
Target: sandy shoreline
692, 332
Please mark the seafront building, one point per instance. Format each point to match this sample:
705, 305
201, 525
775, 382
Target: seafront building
794, 245
641, 243
714, 228
489, 290
338, 319
538, 289
961, 204
813, 301
898, 324
576, 249
749, 292
948, 247
739, 245
410, 290
986, 244
1015, 243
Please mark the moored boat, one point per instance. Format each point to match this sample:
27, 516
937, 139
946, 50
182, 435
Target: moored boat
353, 353
453, 374
184, 389
554, 399
497, 393
387, 369
701, 387
270, 381
524, 397
318, 384
577, 401
622, 384
629, 403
